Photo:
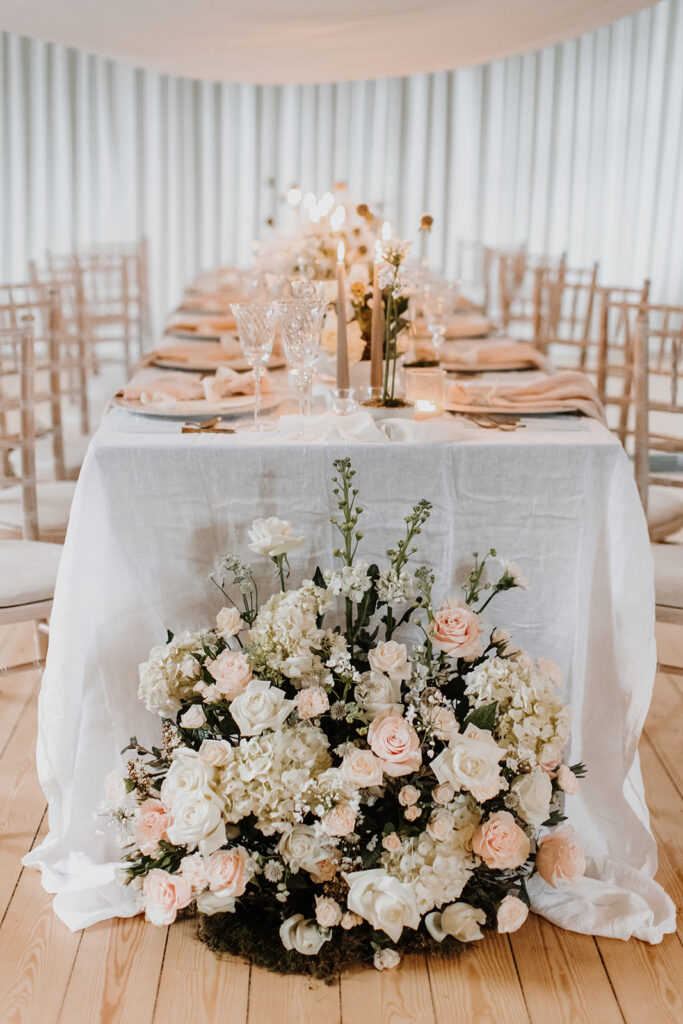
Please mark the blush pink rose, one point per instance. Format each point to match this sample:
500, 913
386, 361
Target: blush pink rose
150, 828
455, 630
232, 673
512, 913
500, 842
559, 858
566, 780
225, 871
164, 895
340, 821
394, 741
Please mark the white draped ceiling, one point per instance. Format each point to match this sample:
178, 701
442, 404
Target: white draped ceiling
297, 41
576, 147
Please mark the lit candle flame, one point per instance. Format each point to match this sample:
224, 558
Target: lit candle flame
340, 253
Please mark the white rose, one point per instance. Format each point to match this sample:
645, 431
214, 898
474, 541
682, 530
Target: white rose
215, 903
188, 774
530, 796
194, 717
470, 761
300, 847
390, 658
378, 693
460, 920
361, 768
386, 903
440, 824
272, 537
512, 913
216, 753
261, 706
229, 622
386, 959
197, 821
303, 935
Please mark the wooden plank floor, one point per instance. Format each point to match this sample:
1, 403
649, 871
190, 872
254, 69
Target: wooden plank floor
125, 972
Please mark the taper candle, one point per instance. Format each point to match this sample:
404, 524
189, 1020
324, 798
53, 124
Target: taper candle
342, 351
377, 328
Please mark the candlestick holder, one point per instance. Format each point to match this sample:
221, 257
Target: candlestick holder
344, 403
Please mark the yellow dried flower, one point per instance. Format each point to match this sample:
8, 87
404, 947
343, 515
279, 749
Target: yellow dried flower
357, 291
426, 221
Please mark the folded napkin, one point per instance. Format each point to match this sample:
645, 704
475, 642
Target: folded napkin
569, 391
511, 356
195, 352
203, 325
165, 389
361, 428
226, 382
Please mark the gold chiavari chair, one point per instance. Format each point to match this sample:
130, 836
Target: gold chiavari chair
54, 495
568, 317
520, 285
618, 311
666, 405
28, 567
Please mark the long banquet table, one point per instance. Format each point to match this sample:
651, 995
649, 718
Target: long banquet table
153, 509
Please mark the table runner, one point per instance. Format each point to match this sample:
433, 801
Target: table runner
154, 507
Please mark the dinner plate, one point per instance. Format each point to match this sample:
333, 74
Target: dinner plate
492, 411
199, 407
211, 365
172, 332
475, 369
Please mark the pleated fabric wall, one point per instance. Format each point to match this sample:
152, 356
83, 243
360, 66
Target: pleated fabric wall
578, 147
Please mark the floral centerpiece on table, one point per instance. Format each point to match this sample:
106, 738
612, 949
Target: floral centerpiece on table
325, 793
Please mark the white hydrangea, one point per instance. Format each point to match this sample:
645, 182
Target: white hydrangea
352, 581
533, 723
285, 635
437, 871
171, 672
267, 774
395, 588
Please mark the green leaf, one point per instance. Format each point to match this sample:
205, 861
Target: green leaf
484, 717
169, 636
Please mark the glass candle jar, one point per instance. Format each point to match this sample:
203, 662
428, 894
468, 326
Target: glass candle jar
426, 389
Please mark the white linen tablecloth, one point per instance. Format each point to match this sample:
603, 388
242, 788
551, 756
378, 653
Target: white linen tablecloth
153, 508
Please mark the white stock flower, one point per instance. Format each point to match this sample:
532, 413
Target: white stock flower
471, 762
272, 537
530, 797
460, 920
512, 570
350, 581
261, 706
387, 904
303, 935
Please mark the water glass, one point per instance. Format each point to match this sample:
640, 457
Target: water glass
301, 323
256, 324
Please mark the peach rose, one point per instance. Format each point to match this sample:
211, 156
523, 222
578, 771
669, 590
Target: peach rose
164, 895
500, 842
559, 858
312, 702
328, 913
412, 813
455, 630
324, 871
151, 825
512, 913
193, 869
229, 622
225, 871
361, 768
408, 795
567, 781
391, 659
440, 824
340, 821
350, 920
215, 753
443, 793
392, 842
395, 743
232, 672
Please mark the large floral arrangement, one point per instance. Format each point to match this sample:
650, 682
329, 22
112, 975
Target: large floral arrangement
325, 793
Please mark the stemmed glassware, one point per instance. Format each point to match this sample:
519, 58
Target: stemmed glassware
301, 322
436, 309
256, 324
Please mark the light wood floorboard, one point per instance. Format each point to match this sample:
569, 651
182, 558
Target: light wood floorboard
124, 972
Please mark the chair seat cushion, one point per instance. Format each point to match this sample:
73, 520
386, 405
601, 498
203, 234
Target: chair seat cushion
664, 511
668, 574
54, 505
28, 570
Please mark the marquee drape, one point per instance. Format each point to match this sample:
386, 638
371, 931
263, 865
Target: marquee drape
576, 147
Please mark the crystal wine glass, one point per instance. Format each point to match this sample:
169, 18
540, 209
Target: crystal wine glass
437, 309
256, 323
301, 321
306, 290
